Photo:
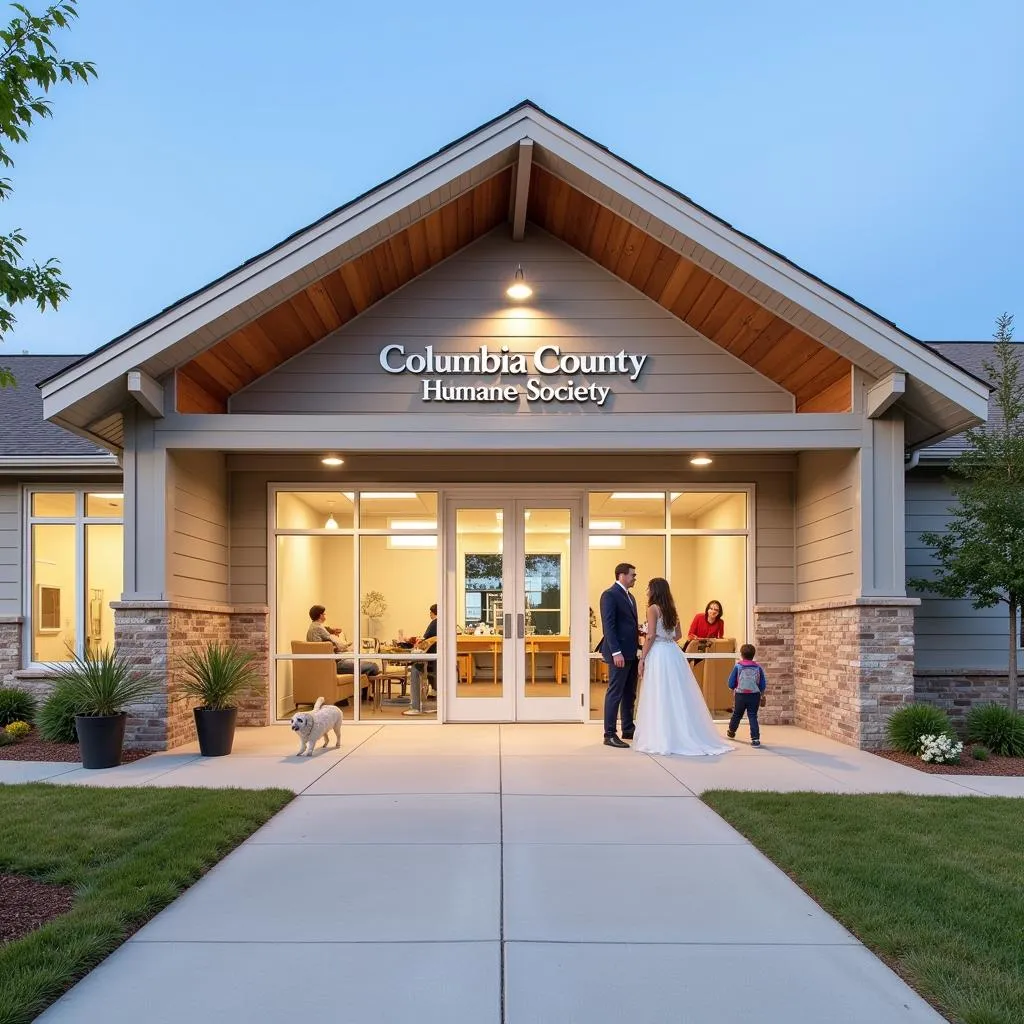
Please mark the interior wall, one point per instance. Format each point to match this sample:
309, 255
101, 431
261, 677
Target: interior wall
827, 543
53, 565
104, 582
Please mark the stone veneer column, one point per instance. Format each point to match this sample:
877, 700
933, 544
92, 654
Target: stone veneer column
773, 639
10, 649
854, 665
153, 635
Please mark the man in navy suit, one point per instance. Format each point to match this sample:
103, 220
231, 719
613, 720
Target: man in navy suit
618, 647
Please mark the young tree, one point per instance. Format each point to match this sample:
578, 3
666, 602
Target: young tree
29, 62
981, 555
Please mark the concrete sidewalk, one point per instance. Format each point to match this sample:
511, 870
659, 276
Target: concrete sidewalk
501, 874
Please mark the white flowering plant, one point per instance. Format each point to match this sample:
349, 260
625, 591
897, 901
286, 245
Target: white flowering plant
941, 749
374, 604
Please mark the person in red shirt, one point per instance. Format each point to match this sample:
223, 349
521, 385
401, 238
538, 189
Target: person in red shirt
710, 625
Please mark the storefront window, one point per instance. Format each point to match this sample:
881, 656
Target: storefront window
76, 551
369, 559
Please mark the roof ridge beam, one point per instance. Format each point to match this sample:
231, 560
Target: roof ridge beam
521, 189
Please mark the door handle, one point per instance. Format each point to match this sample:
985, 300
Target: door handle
520, 628
508, 625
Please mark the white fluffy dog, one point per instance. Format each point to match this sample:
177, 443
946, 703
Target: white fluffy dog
311, 725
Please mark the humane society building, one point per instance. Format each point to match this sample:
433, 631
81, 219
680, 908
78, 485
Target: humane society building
448, 409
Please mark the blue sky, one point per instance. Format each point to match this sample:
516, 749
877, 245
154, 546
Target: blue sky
877, 144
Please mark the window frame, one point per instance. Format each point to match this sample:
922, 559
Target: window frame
80, 521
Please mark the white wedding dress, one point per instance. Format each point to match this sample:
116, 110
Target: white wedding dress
672, 717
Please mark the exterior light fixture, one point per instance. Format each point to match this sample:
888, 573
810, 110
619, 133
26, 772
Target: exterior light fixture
700, 460
519, 289
333, 460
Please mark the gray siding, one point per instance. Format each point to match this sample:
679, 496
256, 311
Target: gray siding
461, 305
950, 635
826, 525
10, 549
774, 508
199, 527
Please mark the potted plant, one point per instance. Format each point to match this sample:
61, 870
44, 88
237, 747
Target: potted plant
373, 606
100, 687
216, 675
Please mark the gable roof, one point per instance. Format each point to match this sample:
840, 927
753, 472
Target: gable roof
972, 356
784, 322
25, 437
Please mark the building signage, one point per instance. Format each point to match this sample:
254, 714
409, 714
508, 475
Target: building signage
540, 368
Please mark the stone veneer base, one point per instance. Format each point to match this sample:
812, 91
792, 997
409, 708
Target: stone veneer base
154, 635
956, 692
849, 665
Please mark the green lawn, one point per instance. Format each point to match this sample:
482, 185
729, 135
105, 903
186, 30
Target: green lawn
934, 885
128, 853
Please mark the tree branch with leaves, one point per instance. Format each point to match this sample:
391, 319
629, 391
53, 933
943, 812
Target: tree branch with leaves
29, 67
980, 556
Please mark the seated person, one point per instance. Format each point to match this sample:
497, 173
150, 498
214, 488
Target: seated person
427, 642
320, 632
709, 626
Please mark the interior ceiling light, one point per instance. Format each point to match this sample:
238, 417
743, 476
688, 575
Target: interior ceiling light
700, 460
636, 495
388, 494
606, 524
332, 460
332, 523
519, 289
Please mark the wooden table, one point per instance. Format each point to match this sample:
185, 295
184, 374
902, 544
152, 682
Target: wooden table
468, 644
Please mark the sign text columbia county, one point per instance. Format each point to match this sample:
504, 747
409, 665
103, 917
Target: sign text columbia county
546, 362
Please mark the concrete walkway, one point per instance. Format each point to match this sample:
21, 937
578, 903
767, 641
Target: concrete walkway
499, 874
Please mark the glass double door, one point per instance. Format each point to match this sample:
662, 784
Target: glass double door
516, 636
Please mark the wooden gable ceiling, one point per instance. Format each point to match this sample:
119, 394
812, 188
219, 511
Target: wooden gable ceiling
207, 382
819, 378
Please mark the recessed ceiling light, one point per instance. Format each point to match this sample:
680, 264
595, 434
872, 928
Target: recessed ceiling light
700, 460
332, 460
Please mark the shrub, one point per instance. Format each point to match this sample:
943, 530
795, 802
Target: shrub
217, 675
6, 738
941, 749
980, 753
56, 718
16, 706
998, 728
18, 729
104, 683
907, 725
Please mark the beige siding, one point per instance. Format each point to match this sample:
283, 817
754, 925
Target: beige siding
826, 525
10, 549
199, 527
949, 634
774, 512
461, 305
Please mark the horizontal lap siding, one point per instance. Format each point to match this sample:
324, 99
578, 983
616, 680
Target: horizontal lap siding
199, 530
10, 549
826, 525
461, 305
949, 634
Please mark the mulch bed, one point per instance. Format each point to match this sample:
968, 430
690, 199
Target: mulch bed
32, 748
26, 905
967, 766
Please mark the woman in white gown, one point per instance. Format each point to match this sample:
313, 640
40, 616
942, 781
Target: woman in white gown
672, 717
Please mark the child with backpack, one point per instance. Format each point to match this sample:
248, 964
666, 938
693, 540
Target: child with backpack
748, 683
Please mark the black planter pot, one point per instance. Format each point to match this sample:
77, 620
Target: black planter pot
100, 739
216, 730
